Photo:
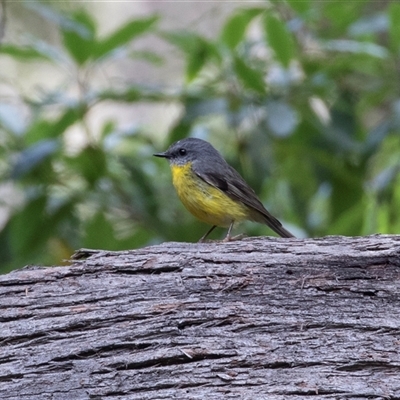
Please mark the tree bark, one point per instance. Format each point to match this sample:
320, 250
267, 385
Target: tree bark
261, 318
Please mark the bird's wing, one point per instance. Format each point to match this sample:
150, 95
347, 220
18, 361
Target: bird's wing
234, 186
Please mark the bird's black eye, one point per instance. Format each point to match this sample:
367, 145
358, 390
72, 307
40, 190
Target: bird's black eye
182, 152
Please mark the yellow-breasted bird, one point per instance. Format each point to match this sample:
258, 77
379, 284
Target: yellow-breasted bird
212, 190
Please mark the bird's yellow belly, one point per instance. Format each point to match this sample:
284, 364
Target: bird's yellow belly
205, 202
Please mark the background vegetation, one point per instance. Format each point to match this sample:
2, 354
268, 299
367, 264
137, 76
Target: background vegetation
301, 97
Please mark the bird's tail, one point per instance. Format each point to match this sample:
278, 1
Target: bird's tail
276, 226
282, 232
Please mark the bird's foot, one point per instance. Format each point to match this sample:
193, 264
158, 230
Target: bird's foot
230, 238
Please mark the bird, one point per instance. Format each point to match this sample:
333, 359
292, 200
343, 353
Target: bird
212, 190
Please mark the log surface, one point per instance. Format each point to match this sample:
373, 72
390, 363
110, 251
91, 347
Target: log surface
261, 318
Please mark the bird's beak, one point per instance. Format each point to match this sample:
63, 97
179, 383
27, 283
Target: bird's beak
164, 155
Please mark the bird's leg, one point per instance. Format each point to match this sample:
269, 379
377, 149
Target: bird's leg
228, 235
203, 238
229, 238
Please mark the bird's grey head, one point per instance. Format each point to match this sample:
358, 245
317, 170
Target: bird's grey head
189, 150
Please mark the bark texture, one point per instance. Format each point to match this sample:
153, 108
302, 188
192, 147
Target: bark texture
261, 318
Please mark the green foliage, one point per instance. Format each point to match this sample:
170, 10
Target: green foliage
394, 27
233, 32
301, 97
196, 49
279, 38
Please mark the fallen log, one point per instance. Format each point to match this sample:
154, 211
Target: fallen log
261, 318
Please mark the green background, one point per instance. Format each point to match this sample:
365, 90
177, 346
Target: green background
302, 98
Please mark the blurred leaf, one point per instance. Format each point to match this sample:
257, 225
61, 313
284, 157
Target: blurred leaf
6, 254
123, 35
139, 238
148, 56
33, 156
394, 28
180, 130
108, 128
134, 93
340, 15
196, 60
279, 39
68, 118
129, 95
349, 181
99, 233
375, 138
300, 6
90, 163
197, 50
184, 40
44, 129
235, 27
250, 77
145, 202
79, 39
31, 228
349, 221
28, 227
25, 53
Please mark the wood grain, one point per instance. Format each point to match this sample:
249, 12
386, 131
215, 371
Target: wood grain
261, 318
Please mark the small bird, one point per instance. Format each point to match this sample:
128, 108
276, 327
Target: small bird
212, 190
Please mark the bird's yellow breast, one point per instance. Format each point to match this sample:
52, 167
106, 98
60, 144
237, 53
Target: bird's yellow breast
206, 202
